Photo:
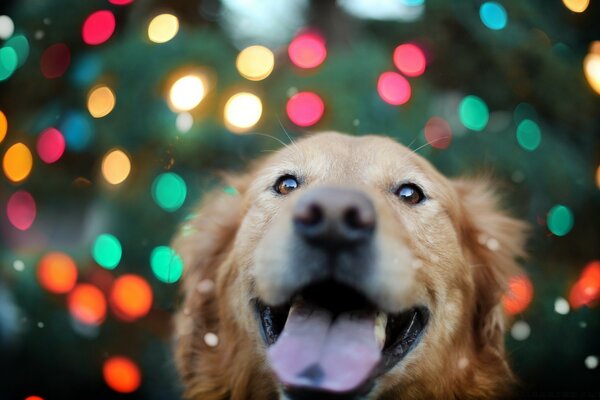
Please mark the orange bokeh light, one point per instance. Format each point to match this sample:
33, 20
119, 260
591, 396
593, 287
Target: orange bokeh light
121, 374
131, 297
87, 304
57, 272
519, 295
586, 290
34, 398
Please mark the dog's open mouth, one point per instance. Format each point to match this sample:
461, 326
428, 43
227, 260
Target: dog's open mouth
330, 338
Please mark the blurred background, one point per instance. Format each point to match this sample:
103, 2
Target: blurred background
115, 116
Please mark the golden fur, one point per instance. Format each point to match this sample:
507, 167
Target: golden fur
455, 255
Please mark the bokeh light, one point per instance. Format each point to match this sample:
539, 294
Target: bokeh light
20, 45
87, 304
591, 69
7, 27
50, 145
17, 162
473, 113
242, 111
598, 177
560, 220
77, 129
3, 126
520, 330
561, 306
101, 101
57, 272
116, 166
21, 210
98, 27
8, 62
163, 28
393, 88
586, 291
184, 122
34, 398
518, 296
121, 374
255, 63
410, 59
493, 15
438, 133
186, 93
120, 2
307, 50
169, 191
577, 6
305, 108
131, 297
166, 264
529, 135
107, 251
55, 60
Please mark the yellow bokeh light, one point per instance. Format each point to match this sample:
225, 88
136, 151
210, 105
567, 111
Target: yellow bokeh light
17, 162
101, 101
116, 166
255, 63
598, 177
186, 93
163, 28
3, 126
242, 111
591, 69
577, 6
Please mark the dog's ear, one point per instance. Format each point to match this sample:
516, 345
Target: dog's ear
492, 241
203, 242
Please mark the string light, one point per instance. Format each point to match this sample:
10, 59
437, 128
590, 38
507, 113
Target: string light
131, 297
7, 27
307, 50
87, 304
560, 220
493, 15
57, 272
166, 264
169, 191
529, 135
163, 28
473, 113
8, 62
586, 290
255, 63
242, 111
3, 126
438, 133
305, 108
518, 296
186, 93
77, 130
107, 251
577, 6
20, 45
55, 60
21, 210
101, 101
393, 88
17, 162
121, 374
50, 145
116, 166
410, 60
591, 67
98, 27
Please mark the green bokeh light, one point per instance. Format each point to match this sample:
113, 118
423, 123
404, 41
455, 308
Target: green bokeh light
20, 45
473, 113
169, 191
166, 264
529, 135
8, 62
107, 251
560, 220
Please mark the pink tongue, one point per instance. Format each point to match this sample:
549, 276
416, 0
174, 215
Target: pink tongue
317, 352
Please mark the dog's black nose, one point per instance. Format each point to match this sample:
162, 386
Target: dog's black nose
334, 217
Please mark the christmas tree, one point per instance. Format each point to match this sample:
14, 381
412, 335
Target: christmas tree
116, 115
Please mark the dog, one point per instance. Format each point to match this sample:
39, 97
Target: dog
346, 268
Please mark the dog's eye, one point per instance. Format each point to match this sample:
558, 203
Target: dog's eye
410, 193
286, 184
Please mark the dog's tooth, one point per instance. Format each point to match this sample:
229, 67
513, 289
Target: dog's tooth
380, 325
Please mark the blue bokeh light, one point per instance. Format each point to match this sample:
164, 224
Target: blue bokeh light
493, 15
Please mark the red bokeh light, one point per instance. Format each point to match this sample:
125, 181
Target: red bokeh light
98, 27
21, 210
34, 398
55, 60
393, 88
121, 374
87, 304
519, 295
120, 2
410, 60
131, 297
57, 272
438, 133
307, 50
305, 108
50, 145
586, 291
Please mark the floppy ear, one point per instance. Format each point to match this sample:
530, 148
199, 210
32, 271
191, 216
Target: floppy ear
203, 243
492, 241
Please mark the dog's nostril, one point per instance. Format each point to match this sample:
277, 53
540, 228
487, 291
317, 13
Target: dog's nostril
309, 216
357, 220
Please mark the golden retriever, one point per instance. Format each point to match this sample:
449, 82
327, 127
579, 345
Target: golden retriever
346, 268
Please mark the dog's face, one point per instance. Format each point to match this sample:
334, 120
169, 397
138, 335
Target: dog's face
347, 268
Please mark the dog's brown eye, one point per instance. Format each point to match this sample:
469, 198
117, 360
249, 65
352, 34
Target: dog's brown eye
286, 184
410, 193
